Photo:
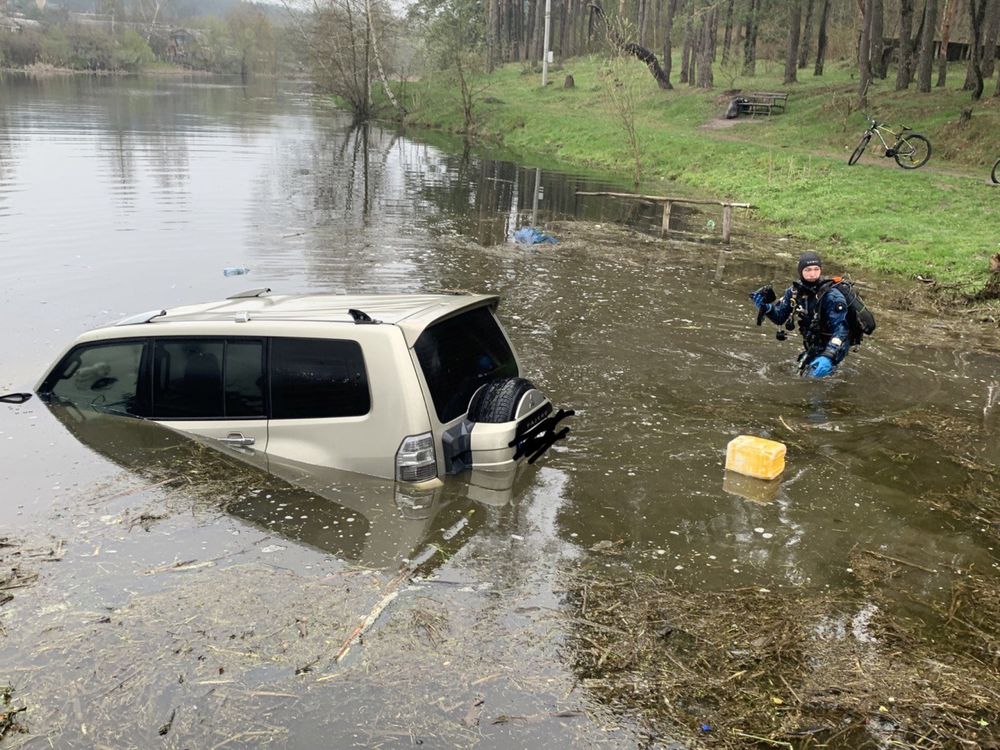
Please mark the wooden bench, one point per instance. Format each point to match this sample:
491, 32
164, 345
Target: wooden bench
762, 102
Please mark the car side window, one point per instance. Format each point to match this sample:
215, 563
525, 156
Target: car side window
318, 378
208, 379
105, 376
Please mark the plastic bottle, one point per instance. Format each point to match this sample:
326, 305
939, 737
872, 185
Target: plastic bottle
235, 271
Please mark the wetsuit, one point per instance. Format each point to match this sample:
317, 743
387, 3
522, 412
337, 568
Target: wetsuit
821, 315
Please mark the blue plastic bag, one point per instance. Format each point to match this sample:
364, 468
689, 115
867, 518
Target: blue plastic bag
533, 236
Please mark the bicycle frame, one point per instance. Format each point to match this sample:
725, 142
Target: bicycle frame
877, 128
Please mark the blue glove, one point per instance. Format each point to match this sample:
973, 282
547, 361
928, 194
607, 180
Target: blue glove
820, 367
758, 300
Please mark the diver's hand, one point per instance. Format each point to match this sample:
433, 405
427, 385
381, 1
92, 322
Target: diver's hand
758, 300
820, 367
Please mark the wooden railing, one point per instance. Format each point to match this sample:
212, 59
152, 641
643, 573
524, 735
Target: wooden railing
668, 203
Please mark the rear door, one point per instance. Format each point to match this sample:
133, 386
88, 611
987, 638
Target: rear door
215, 388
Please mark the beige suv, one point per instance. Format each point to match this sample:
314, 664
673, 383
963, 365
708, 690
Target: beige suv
409, 387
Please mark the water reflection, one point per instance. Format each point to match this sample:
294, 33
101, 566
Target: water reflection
360, 519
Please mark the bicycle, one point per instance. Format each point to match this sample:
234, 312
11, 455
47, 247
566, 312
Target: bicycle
910, 150
995, 174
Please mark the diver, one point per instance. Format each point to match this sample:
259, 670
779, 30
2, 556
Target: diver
820, 311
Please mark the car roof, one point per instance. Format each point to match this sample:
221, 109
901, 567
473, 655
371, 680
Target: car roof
411, 312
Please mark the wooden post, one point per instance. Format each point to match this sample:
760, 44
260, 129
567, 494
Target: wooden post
727, 222
665, 225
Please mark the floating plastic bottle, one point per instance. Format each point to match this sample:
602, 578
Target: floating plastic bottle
235, 271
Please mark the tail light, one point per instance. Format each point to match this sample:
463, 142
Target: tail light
415, 459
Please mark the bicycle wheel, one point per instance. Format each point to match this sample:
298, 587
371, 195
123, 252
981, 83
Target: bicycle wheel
913, 151
995, 174
860, 149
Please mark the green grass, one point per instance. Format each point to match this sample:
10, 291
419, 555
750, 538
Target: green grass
937, 221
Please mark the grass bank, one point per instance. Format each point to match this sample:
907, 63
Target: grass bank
938, 221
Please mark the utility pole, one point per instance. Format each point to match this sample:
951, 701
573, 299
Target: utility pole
545, 53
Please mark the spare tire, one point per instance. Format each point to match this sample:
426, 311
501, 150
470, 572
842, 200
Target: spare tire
497, 401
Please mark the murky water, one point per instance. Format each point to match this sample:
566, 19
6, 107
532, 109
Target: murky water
117, 196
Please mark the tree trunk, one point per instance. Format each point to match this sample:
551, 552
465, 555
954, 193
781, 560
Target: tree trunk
642, 24
806, 36
750, 39
905, 71
878, 39
686, 50
493, 36
668, 50
727, 36
950, 6
538, 31
792, 51
977, 20
822, 39
990, 39
925, 64
865, 52
706, 49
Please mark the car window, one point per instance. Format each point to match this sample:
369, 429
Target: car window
460, 354
187, 379
317, 378
244, 375
208, 379
105, 376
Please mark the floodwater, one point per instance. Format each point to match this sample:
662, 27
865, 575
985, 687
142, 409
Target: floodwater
175, 597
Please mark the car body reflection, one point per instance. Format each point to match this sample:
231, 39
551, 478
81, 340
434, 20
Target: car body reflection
361, 519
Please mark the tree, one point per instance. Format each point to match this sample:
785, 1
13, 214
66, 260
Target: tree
792, 51
905, 71
822, 39
252, 36
925, 64
620, 92
668, 28
977, 18
727, 36
806, 36
865, 51
750, 38
990, 40
948, 17
455, 33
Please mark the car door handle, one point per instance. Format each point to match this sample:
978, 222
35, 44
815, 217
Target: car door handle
238, 439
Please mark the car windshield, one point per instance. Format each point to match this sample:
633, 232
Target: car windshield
460, 354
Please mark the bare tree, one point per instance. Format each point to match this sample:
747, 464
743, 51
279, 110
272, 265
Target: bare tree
792, 52
620, 91
925, 63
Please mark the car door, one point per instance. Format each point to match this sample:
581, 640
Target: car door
214, 388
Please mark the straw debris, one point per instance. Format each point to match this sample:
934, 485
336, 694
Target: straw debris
794, 668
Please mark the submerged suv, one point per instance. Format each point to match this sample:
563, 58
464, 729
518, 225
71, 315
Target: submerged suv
409, 387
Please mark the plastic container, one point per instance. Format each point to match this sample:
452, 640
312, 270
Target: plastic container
235, 271
755, 457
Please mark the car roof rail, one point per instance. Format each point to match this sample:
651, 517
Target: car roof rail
250, 293
361, 317
145, 317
